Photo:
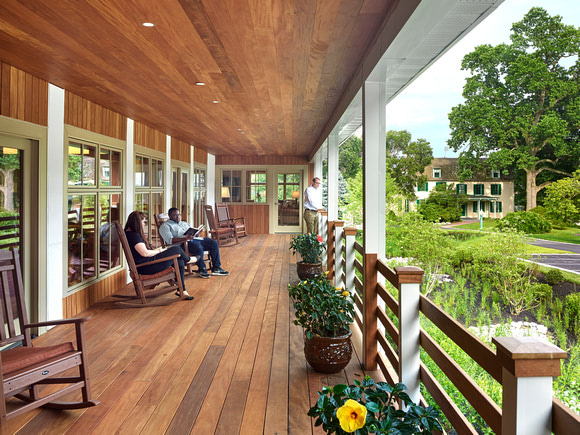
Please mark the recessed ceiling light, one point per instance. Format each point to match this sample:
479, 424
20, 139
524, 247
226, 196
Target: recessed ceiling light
239, 129
215, 101
200, 83
147, 24
242, 132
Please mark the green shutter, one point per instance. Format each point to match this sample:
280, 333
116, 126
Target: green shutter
498, 207
475, 207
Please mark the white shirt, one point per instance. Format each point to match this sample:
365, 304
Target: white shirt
312, 198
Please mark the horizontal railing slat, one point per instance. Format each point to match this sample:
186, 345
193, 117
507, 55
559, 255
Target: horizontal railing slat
358, 284
389, 374
480, 401
358, 265
359, 248
564, 420
472, 345
9, 236
448, 407
389, 299
389, 351
358, 301
358, 319
389, 274
388, 324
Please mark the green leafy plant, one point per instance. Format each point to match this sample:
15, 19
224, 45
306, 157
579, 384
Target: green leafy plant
525, 222
321, 308
554, 276
368, 407
309, 246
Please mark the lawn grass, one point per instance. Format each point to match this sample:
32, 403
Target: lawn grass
568, 276
488, 224
569, 235
530, 249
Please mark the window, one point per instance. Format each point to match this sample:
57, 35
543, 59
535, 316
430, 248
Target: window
231, 186
179, 189
496, 189
475, 207
436, 172
423, 187
287, 185
462, 189
495, 207
407, 205
199, 195
440, 183
94, 203
256, 186
495, 174
149, 177
478, 189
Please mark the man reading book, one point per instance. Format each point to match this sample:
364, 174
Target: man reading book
175, 227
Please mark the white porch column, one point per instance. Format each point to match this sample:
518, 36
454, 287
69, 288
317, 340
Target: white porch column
529, 363
55, 188
190, 179
167, 189
332, 179
338, 269
130, 175
210, 180
317, 166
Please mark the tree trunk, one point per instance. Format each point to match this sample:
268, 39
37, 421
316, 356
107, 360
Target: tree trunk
531, 189
8, 189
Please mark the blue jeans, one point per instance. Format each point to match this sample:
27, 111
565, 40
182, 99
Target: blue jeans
158, 267
196, 247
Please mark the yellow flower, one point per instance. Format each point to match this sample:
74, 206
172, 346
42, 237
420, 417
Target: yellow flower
303, 282
351, 415
345, 293
339, 289
326, 273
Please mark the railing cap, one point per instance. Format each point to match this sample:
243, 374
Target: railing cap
338, 223
350, 231
529, 356
323, 212
409, 274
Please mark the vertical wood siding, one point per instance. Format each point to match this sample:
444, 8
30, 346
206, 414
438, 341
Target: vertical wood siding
23, 96
261, 160
87, 115
180, 150
83, 299
257, 217
199, 156
149, 137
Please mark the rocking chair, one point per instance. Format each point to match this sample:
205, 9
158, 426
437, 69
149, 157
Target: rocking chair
220, 234
25, 368
145, 284
224, 220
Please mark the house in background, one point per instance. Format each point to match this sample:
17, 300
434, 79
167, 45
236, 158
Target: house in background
489, 190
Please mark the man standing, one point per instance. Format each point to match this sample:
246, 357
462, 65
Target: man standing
312, 203
175, 227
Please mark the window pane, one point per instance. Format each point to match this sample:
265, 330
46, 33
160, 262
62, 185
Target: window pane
74, 164
293, 178
115, 171
184, 197
89, 159
105, 168
157, 173
74, 239
141, 171
281, 178
174, 190
156, 208
89, 239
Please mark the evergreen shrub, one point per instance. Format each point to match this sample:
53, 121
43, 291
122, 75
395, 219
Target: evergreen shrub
525, 222
554, 276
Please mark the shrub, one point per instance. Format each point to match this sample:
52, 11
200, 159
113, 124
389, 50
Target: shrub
573, 305
525, 222
462, 257
554, 276
542, 291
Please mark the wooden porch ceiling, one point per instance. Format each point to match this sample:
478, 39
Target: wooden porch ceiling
228, 362
278, 69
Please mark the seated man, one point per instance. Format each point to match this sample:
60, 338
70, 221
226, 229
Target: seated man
175, 227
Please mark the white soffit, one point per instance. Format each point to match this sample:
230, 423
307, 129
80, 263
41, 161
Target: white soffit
434, 27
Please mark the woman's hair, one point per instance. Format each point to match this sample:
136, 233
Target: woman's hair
134, 224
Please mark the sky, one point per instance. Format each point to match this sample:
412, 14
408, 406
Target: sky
422, 108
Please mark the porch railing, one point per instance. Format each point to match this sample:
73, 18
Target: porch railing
524, 367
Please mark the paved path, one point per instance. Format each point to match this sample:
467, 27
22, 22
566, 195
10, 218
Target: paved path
568, 262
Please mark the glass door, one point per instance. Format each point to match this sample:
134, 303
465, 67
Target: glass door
17, 189
288, 207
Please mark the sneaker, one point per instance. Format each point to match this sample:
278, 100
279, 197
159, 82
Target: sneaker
219, 272
204, 274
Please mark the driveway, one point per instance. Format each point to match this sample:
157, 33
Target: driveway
568, 262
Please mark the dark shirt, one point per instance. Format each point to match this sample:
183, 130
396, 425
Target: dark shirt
133, 238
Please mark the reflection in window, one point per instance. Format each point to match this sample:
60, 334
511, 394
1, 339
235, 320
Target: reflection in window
110, 167
81, 164
199, 190
256, 186
231, 186
141, 171
109, 244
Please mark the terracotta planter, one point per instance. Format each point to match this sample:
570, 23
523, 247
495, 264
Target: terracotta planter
328, 354
307, 270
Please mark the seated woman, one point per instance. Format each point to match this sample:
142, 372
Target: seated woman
142, 252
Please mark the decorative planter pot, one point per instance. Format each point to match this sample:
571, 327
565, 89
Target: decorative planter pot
308, 270
328, 354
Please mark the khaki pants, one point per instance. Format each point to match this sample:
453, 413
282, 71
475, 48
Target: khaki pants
311, 219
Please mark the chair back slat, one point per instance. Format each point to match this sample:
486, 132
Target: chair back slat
160, 220
126, 249
8, 304
13, 310
210, 217
222, 212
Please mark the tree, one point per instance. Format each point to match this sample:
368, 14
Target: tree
443, 204
563, 199
406, 160
350, 157
9, 163
522, 103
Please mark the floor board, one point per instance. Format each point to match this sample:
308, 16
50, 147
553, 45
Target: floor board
230, 361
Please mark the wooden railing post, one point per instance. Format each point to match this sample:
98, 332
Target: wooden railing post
323, 231
528, 365
409, 280
349, 274
330, 250
338, 225
370, 312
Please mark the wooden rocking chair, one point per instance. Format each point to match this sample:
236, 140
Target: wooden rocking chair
145, 284
224, 219
25, 368
220, 234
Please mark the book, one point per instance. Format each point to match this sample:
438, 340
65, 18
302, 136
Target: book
194, 232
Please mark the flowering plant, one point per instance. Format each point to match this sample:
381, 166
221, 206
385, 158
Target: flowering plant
369, 407
321, 308
309, 246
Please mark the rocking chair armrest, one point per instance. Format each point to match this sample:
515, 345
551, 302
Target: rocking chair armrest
159, 260
243, 219
178, 240
58, 322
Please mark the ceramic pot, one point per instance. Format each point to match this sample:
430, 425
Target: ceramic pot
308, 270
328, 354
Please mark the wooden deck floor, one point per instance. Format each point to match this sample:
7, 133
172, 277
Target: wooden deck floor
228, 362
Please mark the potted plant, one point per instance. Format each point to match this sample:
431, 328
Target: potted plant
310, 248
369, 407
325, 312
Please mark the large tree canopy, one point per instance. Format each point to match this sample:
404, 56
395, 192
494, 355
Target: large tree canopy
522, 103
406, 160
